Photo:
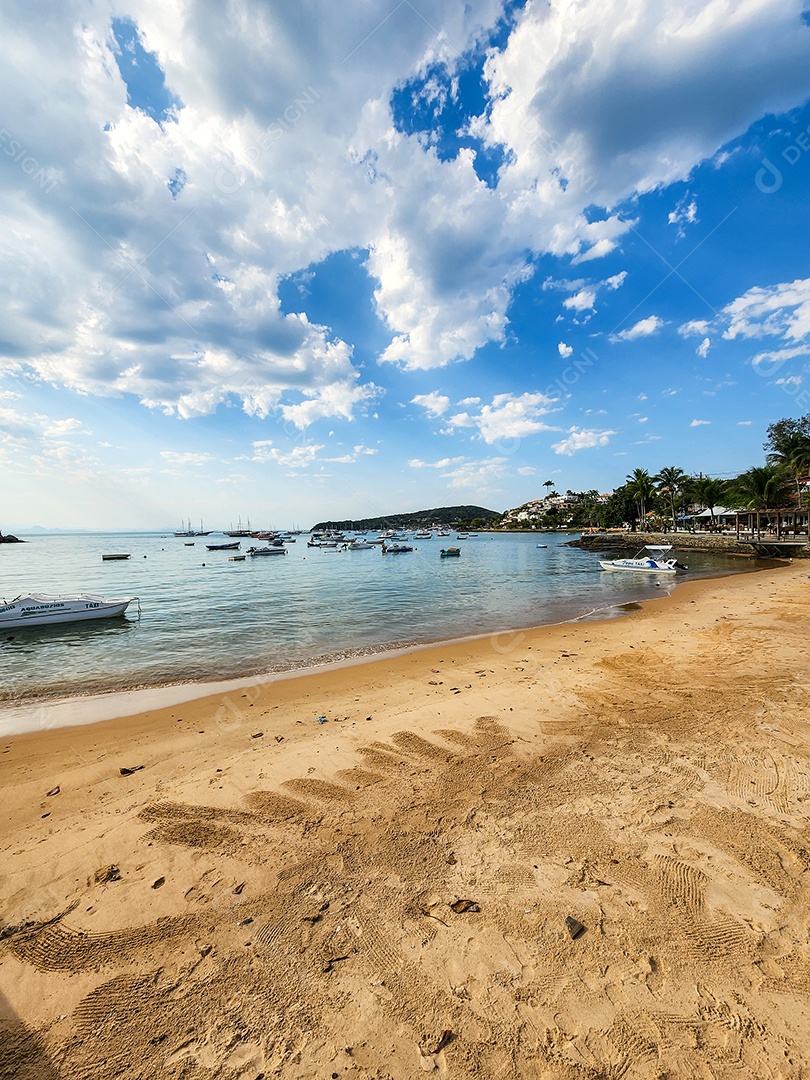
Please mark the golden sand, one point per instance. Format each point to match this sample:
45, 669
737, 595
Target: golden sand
386, 893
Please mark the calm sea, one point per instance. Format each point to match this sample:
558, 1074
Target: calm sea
203, 617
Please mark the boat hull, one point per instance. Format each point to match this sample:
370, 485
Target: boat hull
55, 610
641, 566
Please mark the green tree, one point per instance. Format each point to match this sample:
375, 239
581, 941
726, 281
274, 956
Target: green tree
709, 492
783, 432
586, 510
620, 508
671, 481
793, 456
765, 487
642, 488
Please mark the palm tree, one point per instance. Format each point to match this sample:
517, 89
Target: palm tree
708, 491
671, 480
641, 487
793, 456
765, 487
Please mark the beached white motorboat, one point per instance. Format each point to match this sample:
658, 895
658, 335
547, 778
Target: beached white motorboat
654, 563
36, 610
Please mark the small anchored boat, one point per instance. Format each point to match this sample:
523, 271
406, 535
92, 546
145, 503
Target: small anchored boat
654, 563
449, 553
115, 557
267, 551
224, 547
395, 549
36, 610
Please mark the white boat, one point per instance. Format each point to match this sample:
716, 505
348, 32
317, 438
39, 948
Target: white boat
654, 563
267, 551
359, 545
36, 610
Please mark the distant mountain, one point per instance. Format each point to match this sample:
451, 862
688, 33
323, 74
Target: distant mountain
440, 515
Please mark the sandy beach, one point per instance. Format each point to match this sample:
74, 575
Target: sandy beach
573, 852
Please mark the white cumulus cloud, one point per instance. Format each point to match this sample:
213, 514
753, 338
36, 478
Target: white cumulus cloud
434, 402
508, 416
643, 328
581, 439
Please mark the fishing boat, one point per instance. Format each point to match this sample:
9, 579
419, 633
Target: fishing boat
653, 563
36, 610
267, 551
115, 557
449, 553
223, 547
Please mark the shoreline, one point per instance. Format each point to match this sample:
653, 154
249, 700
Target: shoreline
324, 873
36, 713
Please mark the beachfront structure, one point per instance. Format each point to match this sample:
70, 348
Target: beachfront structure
753, 524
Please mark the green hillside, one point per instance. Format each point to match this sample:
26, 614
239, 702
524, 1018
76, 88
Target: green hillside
440, 515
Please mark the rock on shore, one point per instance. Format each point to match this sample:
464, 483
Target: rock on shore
726, 545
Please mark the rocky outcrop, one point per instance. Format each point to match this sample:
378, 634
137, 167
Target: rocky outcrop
726, 545
8, 539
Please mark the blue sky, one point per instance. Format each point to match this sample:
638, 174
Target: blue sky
342, 260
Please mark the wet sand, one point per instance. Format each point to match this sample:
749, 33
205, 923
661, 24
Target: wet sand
385, 893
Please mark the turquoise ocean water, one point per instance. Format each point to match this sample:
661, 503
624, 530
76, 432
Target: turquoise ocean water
204, 618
